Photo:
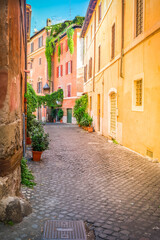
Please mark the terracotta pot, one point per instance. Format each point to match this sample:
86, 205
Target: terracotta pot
28, 141
86, 128
90, 129
61, 121
36, 156
79, 125
54, 120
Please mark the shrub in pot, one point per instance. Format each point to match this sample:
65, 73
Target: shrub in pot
60, 114
40, 142
86, 121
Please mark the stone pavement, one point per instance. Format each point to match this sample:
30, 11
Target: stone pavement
84, 177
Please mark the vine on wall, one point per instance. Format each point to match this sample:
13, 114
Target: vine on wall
51, 41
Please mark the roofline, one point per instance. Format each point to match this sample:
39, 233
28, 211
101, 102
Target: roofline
65, 33
37, 33
89, 13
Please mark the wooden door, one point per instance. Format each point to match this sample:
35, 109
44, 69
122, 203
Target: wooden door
69, 115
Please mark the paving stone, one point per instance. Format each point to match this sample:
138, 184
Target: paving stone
115, 190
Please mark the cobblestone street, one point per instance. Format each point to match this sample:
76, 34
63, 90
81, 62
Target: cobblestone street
84, 177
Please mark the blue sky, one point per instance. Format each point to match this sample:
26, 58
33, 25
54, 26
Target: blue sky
57, 10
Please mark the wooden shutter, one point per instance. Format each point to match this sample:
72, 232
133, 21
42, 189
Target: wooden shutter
69, 90
99, 12
66, 68
71, 64
61, 70
113, 41
91, 67
85, 74
57, 72
99, 58
42, 41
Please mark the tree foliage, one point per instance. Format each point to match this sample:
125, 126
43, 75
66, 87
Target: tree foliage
80, 107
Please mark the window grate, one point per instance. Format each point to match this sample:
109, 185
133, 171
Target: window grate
139, 92
139, 17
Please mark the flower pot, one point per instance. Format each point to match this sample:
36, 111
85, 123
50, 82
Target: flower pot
61, 121
90, 129
54, 120
36, 156
86, 128
28, 141
79, 125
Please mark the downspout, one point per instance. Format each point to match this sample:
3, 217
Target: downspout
94, 70
25, 102
122, 41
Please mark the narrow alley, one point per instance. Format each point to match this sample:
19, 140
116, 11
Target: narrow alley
84, 177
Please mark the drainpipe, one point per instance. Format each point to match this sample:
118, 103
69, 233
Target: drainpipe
25, 102
94, 70
122, 42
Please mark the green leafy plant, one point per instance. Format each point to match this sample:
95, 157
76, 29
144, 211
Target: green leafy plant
80, 108
86, 120
70, 33
27, 177
59, 49
53, 113
55, 32
40, 139
60, 113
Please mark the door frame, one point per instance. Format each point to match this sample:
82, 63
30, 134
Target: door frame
98, 112
112, 90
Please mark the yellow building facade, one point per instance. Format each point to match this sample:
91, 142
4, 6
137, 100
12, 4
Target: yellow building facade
122, 71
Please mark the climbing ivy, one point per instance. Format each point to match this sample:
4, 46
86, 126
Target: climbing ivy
51, 40
70, 33
59, 49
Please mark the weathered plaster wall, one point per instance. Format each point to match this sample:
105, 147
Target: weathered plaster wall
12, 83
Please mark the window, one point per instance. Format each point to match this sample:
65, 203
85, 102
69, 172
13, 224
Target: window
91, 32
85, 73
27, 21
139, 17
99, 58
138, 89
90, 68
99, 12
40, 42
66, 45
40, 61
137, 99
32, 47
61, 48
86, 43
113, 42
68, 90
39, 87
69, 67
60, 71
31, 66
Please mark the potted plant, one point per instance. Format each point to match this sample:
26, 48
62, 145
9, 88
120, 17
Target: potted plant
40, 141
53, 114
86, 122
60, 115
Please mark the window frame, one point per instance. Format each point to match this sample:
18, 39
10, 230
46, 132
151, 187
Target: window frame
135, 22
32, 47
40, 41
113, 53
69, 86
137, 78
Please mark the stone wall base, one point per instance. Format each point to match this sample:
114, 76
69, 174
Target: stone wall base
13, 207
